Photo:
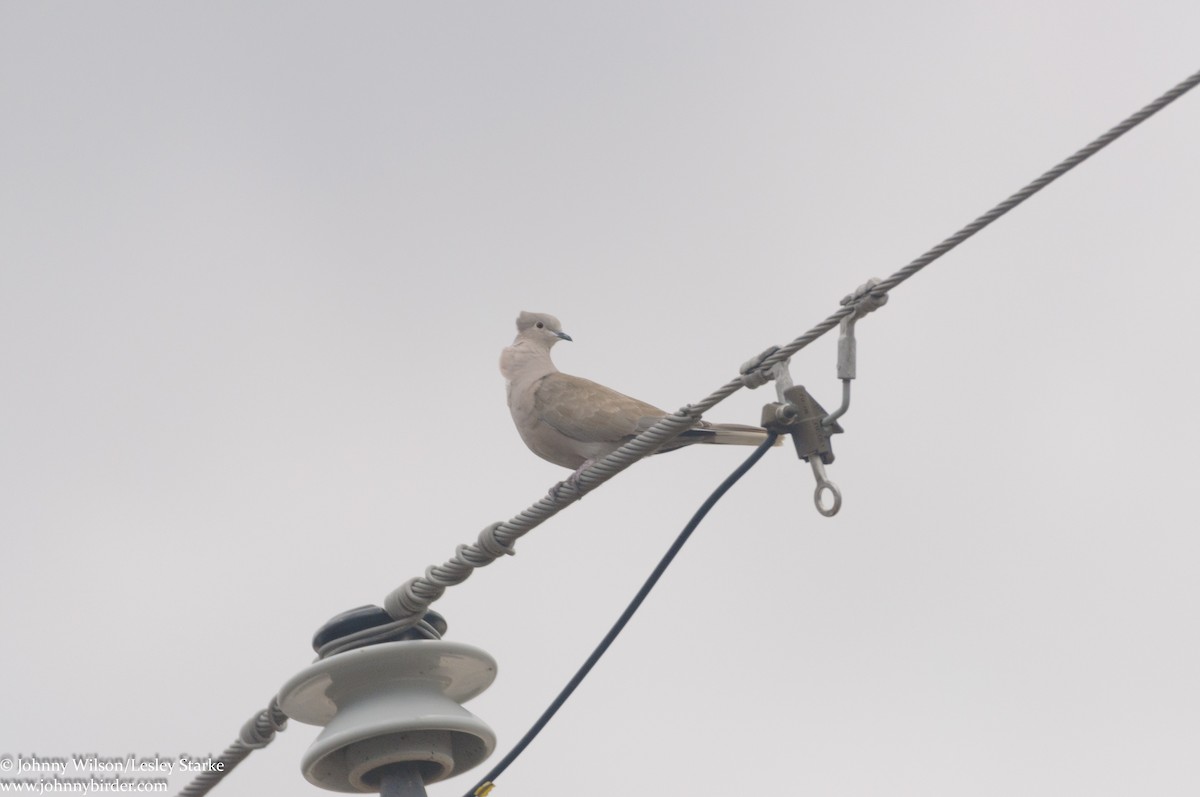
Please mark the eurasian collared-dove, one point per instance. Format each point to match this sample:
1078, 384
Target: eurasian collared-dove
572, 421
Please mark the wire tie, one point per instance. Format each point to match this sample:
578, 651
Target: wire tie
484, 789
492, 546
254, 735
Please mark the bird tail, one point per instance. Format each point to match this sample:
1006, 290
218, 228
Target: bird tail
727, 434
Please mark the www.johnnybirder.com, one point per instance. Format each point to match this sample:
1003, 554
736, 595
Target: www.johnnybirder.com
92, 773
94, 784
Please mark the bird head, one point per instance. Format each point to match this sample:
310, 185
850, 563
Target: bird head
541, 328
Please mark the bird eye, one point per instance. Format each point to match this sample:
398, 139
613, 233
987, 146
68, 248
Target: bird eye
540, 325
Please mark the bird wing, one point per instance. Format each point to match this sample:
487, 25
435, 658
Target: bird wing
584, 410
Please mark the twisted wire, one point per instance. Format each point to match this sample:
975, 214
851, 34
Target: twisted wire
414, 598
1037, 185
409, 603
259, 731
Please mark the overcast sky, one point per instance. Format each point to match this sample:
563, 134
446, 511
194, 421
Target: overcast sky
258, 261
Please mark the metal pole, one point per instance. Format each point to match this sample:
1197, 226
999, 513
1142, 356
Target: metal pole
402, 780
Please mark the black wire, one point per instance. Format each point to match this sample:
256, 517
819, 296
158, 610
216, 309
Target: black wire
626, 615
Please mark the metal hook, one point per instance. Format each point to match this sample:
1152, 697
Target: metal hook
823, 483
832, 417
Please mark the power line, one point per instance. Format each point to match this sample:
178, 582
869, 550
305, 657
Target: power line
408, 604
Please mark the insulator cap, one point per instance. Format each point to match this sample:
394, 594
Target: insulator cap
396, 702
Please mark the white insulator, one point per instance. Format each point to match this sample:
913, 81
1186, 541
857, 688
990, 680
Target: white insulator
397, 702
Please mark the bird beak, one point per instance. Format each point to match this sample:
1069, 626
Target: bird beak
563, 336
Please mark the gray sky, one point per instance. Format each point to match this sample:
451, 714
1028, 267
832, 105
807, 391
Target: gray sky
257, 262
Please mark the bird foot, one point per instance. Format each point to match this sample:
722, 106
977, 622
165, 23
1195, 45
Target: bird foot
564, 487
570, 483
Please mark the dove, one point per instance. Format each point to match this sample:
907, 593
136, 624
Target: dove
572, 421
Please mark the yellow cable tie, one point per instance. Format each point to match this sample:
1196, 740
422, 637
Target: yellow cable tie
484, 789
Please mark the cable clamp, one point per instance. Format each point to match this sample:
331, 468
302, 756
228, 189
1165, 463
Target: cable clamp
865, 298
752, 372
800, 416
